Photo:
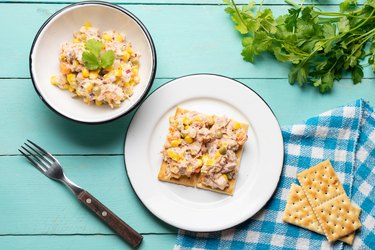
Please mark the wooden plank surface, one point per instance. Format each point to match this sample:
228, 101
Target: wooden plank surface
191, 36
180, 36
74, 242
33, 120
38, 205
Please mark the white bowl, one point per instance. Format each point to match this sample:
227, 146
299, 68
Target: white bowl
59, 28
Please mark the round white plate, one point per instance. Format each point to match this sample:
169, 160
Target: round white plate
191, 208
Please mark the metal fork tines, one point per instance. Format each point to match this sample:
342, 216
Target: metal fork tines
47, 164
50, 167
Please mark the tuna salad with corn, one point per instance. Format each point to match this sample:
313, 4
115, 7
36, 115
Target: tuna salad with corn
100, 68
203, 145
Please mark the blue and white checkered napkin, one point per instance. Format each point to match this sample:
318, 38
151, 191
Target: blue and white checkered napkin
345, 136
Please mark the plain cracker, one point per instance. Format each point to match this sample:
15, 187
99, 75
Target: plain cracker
324, 190
299, 212
338, 217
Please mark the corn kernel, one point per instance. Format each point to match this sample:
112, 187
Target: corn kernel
86, 100
76, 40
78, 93
175, 143
186, 127
119, 38
71, 78
71, 89
209, 162
106, 76
85, 73
110, 68
118, 72
236, 125
62, 56
186, 121
66, 86
89, 87
93, 74
188, 139
87, 25
189, 169
223, 143
135, 70
205, 158
199, 162
129, 50
197, 119
173, 155
54, 80
125, 56
64, 68
217, 155
225, 177
107, 37
98, 103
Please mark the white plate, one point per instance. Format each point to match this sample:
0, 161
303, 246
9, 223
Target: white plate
190, 208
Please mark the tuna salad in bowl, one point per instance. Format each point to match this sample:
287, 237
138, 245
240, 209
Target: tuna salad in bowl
91, 68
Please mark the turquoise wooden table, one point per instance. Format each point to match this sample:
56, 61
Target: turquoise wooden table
191, 36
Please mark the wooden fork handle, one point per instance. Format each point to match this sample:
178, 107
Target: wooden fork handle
114, 222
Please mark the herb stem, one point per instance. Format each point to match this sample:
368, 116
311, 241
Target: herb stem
369, 33
292, 3
238, 13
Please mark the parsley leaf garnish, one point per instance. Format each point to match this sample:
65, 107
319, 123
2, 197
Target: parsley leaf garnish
321, 46
93, 57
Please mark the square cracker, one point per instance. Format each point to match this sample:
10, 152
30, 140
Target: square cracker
232, 183
183, 180
337, 217
320, 183
328, 200
299, 212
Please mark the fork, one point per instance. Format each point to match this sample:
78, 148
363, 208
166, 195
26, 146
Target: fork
50, 167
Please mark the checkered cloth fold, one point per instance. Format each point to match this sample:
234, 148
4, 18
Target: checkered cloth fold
345, 136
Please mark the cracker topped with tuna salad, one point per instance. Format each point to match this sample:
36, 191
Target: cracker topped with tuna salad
203, 151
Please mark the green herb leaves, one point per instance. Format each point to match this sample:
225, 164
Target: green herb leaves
93, 58
321, 46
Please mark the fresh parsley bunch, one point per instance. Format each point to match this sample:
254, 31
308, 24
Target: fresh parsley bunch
94, 58
320, 45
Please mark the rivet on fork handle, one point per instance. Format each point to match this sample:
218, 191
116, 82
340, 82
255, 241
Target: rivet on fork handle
106, 215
